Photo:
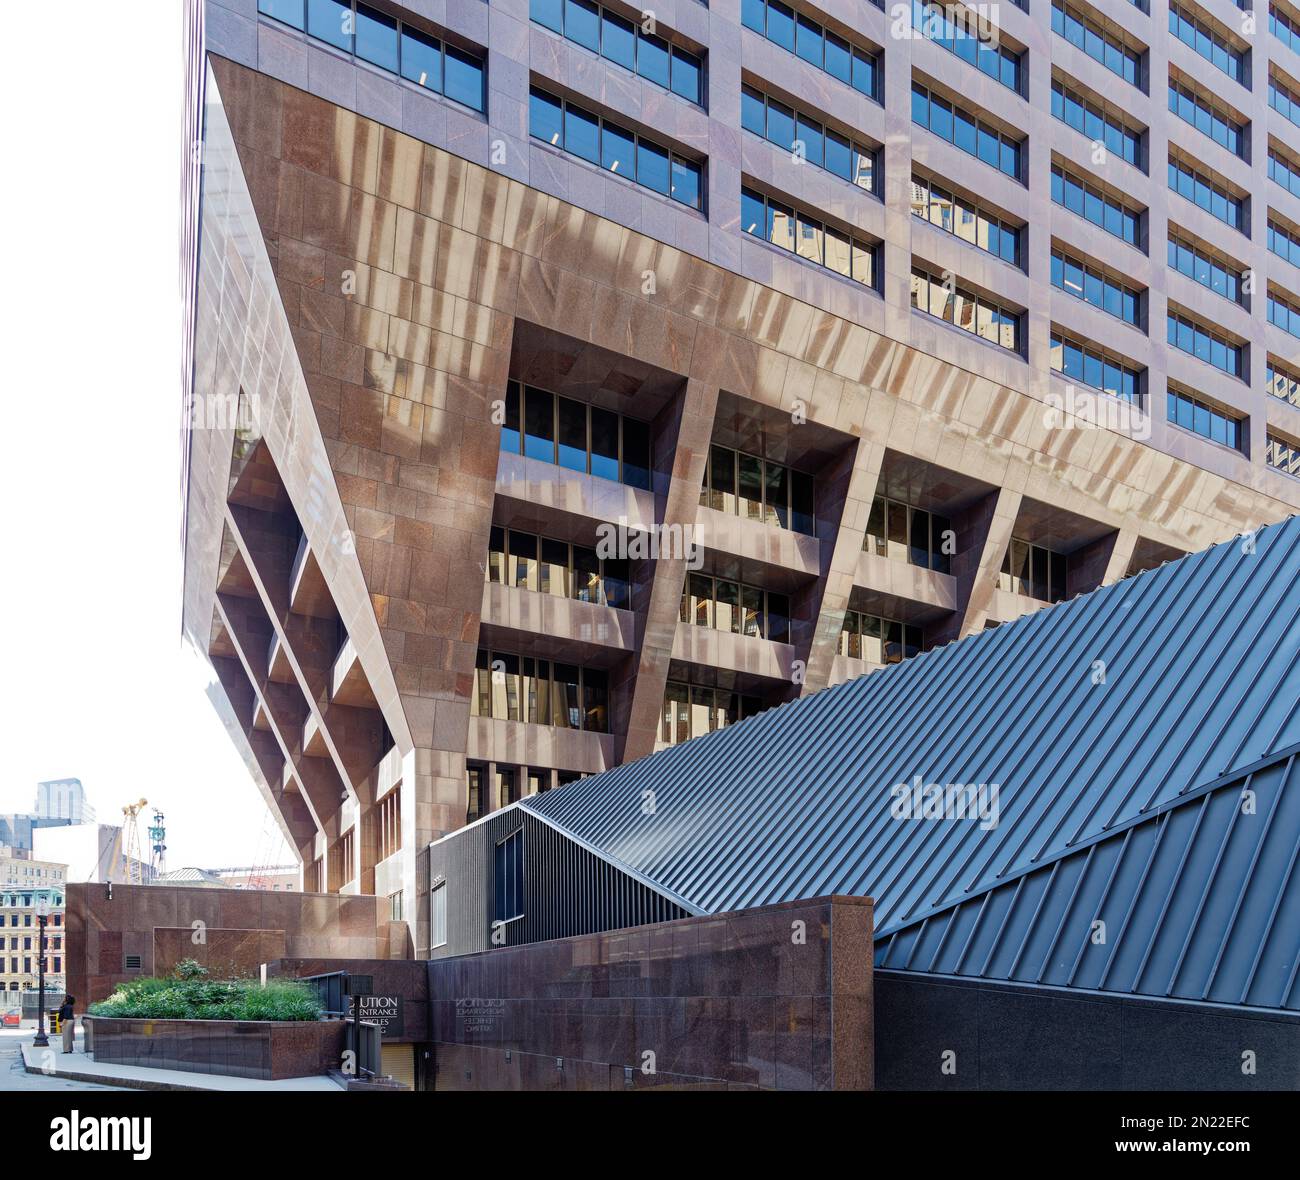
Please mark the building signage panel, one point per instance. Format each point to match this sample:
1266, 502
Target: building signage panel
385, 1011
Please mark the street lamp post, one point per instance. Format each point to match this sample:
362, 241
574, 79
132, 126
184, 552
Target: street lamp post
42, 909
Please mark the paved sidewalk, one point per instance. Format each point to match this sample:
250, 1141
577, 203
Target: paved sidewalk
77, 1066
13, 1068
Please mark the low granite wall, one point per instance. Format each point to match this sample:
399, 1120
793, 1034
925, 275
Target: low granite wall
777, 998
267, 1049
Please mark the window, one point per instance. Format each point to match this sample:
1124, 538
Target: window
344, 858
474, 775
567, 126
1193, 413
574, 435
1284, 241
395, 906
1099, 43
1094, 204
1089, 283
392, 45
1033, 572
759, 489
505, 788
1282, 454
1284, 171
1199, 33
878, 640
625, 43
1098, 122
1283, 382
1208, 116
1210, 195
509, 877
692, 710
509, 687
1285, 28
1205, 344
1284, 313
802, 233
290, 12
564, 570
964, 219
389, 823
438, 915
959, 30
974, 137
377, 39
730, 606
854, 65
1283, 99
821, 146
331, 21
1199, 265
1089, 364
904, 533
965, 309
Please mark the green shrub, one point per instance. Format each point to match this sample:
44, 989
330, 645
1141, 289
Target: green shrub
189, 969
210, 999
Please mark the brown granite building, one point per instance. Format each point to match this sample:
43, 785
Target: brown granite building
563, 381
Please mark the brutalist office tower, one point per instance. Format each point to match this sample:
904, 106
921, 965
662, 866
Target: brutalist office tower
565, 380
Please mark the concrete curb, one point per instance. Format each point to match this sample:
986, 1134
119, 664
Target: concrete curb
126, 1083
122, 1083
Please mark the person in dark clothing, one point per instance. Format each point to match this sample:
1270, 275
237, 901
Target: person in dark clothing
67, 1021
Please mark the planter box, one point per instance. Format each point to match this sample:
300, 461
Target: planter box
268, 1049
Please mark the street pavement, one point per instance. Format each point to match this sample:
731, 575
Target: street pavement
14, 1077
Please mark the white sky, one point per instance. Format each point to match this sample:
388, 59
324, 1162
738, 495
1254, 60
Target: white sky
94, 682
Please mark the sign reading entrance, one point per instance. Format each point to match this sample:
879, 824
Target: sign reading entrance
385, 1011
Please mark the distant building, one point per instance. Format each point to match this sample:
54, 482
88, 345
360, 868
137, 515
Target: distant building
16, 828
23, 883
65, 799
200, 878
276, 880
92, 852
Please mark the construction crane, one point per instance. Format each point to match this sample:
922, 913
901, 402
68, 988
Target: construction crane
133, 867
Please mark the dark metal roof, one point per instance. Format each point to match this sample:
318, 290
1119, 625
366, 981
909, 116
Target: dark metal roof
1088, 716
1198, 902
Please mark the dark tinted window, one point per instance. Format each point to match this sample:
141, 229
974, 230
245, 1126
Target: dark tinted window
330, 21
376, 38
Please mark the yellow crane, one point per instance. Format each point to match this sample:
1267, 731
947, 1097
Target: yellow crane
133, 868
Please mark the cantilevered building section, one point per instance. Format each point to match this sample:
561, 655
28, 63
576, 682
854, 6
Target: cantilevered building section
485, 307
1095, 804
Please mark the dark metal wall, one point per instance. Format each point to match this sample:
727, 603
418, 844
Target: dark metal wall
567, 890
942, 1034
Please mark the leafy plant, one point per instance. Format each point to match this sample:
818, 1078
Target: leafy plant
189, 969
200, 998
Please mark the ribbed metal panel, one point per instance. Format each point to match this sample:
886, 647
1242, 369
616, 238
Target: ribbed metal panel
1200, 679
1200, 902
568, 890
